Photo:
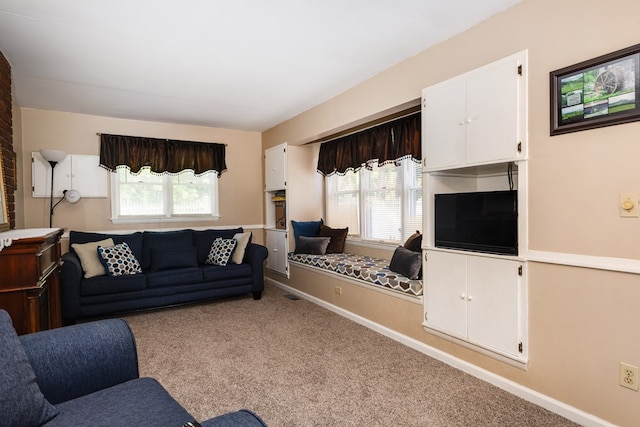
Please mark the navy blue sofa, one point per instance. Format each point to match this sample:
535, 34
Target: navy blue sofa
173, 272
87, 375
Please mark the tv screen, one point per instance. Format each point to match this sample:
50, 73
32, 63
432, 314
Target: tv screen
485, 221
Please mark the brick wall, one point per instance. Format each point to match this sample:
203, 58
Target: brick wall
6, 138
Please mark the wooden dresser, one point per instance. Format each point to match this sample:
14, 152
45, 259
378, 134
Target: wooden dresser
30, 278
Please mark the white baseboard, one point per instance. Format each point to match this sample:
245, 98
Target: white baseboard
553, 405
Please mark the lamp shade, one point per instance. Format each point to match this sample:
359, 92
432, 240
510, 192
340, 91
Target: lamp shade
72, 196
52, 155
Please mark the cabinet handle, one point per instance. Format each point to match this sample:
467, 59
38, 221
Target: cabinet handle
467, 121
275, 250
462, 296
469, 298
461, 123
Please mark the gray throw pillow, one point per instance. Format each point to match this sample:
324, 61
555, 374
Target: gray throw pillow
21, 402
406, 262
312, 245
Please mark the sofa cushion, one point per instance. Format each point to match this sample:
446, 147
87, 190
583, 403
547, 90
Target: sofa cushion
134, 240
139, 402
174, 277
203, 239
21, 401
243, 240
118, 260
102, 285
215, 273
164, 259
153, 240
89, 258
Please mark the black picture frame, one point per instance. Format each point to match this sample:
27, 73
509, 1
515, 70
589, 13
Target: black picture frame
602, 91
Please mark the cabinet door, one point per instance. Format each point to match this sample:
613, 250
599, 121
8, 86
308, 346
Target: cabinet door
275, 167
87, 176
41, 176
75, 171
443, 124
446, 293
493, 287
492, 113
276, 242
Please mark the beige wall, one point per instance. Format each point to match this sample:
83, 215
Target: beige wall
240, 187
581, 321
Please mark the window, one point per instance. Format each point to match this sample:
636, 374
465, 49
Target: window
146, 196
383, 204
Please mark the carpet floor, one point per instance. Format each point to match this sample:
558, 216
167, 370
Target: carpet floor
297, 364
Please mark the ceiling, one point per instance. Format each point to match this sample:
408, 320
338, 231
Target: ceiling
241, 64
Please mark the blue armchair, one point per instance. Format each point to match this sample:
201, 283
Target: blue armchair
87, 375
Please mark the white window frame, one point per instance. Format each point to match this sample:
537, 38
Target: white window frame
404, 188
167, 216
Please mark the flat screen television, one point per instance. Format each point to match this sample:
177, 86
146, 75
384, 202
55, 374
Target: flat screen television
485, 221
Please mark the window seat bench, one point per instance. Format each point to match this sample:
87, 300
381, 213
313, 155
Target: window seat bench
372, 271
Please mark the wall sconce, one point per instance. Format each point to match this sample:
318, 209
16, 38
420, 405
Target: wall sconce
54, 157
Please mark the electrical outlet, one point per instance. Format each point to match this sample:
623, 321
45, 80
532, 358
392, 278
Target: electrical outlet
629, 376
338, 290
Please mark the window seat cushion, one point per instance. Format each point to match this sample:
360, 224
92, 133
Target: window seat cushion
371, 270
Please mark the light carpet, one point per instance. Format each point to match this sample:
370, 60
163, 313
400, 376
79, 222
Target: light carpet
297, 364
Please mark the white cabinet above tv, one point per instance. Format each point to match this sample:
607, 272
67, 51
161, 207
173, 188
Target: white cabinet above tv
478, 117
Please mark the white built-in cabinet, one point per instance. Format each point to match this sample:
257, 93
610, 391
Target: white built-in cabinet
293, 190
476, 298
474, 138
475, 118
275, 168
275, 178
75, 172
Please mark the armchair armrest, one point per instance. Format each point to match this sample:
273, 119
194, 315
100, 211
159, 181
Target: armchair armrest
77, 360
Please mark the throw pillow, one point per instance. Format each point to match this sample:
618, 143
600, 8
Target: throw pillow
414, 242
337, 235
306, 228
312, 245
118, 260
221, 251
406, 262
243, 240
21, 402
203, 239
89, 258
163, 259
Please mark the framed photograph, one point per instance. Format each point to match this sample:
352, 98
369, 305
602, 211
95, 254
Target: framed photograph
602, 91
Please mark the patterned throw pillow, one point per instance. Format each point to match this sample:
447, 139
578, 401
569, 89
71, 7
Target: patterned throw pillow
221, 251
118, 260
